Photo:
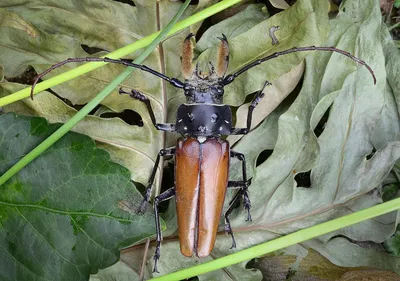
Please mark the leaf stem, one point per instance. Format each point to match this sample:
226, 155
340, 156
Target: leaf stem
285, 241
394, 26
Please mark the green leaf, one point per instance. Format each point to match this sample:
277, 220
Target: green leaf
299, 262
233, 26
343, 252
392, 245
61, 215
279, 4
396, 3
118, 272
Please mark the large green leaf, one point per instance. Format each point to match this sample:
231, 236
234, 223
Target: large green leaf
60, 217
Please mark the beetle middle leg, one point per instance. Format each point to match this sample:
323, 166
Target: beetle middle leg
162, 197
139, 96
243, 186
163, 152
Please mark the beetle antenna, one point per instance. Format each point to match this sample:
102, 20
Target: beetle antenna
229, 79
173, 81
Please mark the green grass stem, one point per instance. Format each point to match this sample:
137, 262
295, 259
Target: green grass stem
284, 241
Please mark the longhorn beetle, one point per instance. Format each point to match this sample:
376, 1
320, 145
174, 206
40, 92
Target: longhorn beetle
202, 157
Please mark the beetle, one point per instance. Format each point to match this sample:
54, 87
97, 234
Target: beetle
202, 156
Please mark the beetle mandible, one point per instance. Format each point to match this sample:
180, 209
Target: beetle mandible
202, 157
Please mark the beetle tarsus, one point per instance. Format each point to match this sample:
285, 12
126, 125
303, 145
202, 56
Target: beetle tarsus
229, 231
247, 205
145, 200
156, 257
162, 197
134, 94
140, 97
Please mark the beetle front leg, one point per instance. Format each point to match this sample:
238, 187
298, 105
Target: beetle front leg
163, 152
254, 103
139, 96
162, 197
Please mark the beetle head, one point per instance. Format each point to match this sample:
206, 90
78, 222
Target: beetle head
202, 86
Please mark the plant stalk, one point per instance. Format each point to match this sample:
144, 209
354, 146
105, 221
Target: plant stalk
285, 241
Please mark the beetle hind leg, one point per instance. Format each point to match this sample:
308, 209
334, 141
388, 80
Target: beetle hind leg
160, 198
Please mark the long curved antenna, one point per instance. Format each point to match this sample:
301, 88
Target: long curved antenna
229, 79
173, 81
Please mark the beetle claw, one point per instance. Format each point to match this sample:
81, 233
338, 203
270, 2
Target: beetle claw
248, 182
248, 215
155, 266
133, 94
247, 205
229, 231
156, 257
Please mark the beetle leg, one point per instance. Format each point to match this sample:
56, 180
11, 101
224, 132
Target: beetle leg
244, 184
163, 152
162, 197
258, 97
228, 228
139, 96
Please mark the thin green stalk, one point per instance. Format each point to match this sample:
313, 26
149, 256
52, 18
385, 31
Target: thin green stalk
285, 241
92, 104
394, 26
142, 43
